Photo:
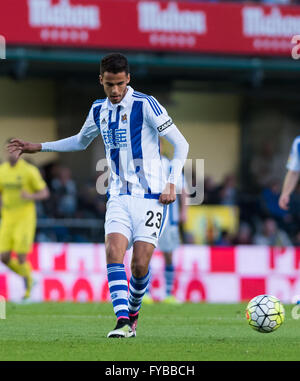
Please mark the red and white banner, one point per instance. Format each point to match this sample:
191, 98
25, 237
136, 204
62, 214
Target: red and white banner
228, 28
77, 272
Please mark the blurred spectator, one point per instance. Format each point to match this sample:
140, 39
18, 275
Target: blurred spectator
296, 240
244, 235
210, 191
269, 202
264, 165
64, 192
51, 171
91, 203
294, 206
271, 235
225, 239
227, 191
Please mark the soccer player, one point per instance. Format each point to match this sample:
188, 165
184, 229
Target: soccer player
130, 124
20, 186
292, 175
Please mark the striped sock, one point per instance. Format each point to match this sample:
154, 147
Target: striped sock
137, 289
118, 288
169, 277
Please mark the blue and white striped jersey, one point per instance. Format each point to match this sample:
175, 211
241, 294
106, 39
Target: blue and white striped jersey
130, 132
293, 163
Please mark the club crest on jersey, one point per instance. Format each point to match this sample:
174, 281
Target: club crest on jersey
124, 118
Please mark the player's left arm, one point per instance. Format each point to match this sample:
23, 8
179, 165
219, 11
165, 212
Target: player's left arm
36, 196
181, 148
38, 186
158, 118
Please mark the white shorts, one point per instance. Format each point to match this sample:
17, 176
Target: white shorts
138, 219
169, 240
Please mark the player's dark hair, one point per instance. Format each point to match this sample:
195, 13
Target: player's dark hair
114, 63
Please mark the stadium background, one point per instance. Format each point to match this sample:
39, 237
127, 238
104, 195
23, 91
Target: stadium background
225, 73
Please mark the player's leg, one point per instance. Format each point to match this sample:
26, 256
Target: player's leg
6, 245
26, 272
168, 242
149, 217
169, 277
169, 272
116, 245
12, 263
139, 281
147, 299
6, 258
164, 242
22, 244
117, 240
14, 238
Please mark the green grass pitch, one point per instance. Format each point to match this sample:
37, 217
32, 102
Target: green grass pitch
188, 332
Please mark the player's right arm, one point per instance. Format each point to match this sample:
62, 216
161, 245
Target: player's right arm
292, 175
77, 142
18, 146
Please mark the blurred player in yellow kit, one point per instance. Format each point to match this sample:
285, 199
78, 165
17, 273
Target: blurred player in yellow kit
21, 184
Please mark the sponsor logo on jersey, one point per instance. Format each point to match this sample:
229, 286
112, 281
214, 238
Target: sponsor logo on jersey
12, 185
115, 138
165, 125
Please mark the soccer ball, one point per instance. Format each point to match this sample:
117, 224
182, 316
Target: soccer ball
265, 313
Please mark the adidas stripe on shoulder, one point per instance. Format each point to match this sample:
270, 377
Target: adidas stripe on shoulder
152, 102
99, 101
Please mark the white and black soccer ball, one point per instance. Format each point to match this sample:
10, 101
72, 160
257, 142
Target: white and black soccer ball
265, 313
